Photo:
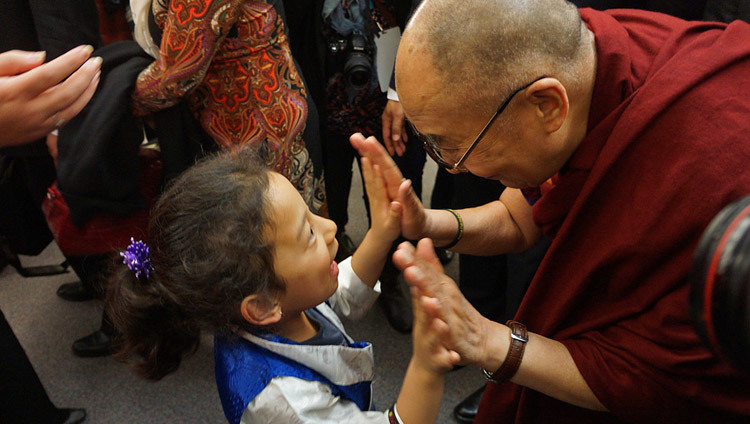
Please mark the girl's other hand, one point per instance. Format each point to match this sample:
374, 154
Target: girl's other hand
430, 353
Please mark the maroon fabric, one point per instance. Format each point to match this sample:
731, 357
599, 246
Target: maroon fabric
668, 146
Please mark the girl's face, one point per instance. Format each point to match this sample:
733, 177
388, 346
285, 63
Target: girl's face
304, 248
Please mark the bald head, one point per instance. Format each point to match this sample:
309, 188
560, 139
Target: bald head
493, 46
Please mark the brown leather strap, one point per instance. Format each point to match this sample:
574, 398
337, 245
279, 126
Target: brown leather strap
518, 338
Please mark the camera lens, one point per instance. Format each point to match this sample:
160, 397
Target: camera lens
358, 67
720, 284
358, 70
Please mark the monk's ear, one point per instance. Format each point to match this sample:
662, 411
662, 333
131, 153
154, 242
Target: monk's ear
550, 101
260, 311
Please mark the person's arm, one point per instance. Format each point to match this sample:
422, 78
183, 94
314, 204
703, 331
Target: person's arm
370, 256
34, 99
422, 390
498, 227
547, 365
191, 38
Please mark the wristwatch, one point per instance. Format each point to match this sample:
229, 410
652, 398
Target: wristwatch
518, 338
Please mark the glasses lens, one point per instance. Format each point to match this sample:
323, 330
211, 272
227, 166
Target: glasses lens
434, 153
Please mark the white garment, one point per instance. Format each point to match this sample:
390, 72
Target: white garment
291, 400
139, 10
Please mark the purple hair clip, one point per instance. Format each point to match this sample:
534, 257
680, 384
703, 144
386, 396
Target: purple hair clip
137, 258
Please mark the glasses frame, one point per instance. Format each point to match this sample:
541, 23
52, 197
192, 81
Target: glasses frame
434, 151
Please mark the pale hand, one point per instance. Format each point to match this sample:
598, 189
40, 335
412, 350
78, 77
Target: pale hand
413, 216
36, 98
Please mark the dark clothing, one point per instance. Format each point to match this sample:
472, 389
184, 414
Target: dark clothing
328, 334
98, 163
666, 150
98, 149
22, 396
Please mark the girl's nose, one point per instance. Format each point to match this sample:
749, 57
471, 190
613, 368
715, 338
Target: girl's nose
328, 228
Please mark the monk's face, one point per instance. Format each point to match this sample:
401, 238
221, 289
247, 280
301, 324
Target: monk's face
510, 151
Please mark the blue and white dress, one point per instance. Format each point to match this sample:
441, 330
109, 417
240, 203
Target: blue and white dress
270, 379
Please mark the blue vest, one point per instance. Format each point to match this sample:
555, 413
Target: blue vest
243, 369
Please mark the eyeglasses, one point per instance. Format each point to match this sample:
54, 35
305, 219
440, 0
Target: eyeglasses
433, 150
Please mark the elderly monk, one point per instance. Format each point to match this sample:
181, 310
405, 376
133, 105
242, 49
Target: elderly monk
620, 135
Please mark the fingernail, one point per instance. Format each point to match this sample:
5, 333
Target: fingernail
94, 62
395, 138
39, 55
87, 49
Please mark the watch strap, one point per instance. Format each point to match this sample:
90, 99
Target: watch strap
519, 336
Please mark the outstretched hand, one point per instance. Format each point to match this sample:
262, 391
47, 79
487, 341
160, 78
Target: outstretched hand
34, 99
464, 330
413, 217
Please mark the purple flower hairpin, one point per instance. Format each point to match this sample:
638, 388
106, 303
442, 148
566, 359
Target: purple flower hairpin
137, 258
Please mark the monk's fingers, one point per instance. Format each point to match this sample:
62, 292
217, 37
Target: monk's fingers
45, 76
14, 62
371, 148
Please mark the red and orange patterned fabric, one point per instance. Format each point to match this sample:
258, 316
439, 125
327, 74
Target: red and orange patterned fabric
230, 60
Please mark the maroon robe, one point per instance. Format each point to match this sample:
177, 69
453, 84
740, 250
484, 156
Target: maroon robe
668, 145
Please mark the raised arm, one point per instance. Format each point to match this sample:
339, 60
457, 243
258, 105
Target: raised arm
192, 35
498, 227
547, 365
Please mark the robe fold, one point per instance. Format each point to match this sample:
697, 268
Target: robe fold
668, 146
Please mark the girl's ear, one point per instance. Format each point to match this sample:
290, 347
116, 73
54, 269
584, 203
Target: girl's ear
260, 311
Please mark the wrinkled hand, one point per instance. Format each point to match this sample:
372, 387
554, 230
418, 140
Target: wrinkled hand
413, 217
465, 327
384, 214
429, 330
394, 131
34, 101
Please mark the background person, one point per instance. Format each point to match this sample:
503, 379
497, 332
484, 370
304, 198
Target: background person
33, 102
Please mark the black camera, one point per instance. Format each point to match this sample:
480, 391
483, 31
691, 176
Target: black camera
358, 63
720, 284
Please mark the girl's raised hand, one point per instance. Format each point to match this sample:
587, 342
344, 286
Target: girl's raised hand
430, 352
385, 214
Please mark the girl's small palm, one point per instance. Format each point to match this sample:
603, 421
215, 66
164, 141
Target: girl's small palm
384, 213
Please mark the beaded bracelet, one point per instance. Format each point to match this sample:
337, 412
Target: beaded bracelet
460, 231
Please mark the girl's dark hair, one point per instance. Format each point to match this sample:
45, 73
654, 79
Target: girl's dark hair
207, 236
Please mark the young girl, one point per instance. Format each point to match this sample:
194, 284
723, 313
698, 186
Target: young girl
235, 250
